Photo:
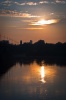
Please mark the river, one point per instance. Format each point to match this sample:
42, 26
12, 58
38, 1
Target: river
33, 81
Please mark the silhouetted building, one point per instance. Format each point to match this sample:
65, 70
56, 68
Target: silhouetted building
40, 42
20, 42
30, 42
4, 42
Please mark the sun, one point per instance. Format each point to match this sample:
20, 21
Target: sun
44, 22
41, 22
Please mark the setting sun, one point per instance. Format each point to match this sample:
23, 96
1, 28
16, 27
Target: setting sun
41, 22
44, 22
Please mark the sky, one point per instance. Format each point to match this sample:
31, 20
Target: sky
33, 20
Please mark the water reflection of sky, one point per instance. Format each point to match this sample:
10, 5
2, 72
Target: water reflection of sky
33, 81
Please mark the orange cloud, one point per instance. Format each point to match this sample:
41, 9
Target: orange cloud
31, 28
14, 13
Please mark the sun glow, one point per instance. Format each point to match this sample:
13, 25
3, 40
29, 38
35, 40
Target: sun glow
44, 22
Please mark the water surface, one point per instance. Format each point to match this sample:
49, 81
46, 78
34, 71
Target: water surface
34, 82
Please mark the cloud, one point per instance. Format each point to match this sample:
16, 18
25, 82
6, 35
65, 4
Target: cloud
27, 21
60, 1
31, 3
30, 28
44, 22
27, 15
23, 28
44, 2
6, 3
52, 2
26, 3
16, 14
17, 3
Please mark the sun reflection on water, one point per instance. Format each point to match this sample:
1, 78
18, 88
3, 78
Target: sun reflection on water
42, 72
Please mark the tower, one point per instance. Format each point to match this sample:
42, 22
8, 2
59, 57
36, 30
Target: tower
30, 41
20, 42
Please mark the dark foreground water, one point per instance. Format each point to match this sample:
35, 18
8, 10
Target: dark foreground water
34, 82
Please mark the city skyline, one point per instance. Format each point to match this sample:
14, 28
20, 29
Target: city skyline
33, 20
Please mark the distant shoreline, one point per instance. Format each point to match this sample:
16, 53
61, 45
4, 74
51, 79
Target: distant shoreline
38, 49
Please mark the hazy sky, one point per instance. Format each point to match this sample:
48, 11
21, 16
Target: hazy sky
33, 20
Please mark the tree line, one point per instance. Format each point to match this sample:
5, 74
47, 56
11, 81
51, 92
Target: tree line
39, 48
